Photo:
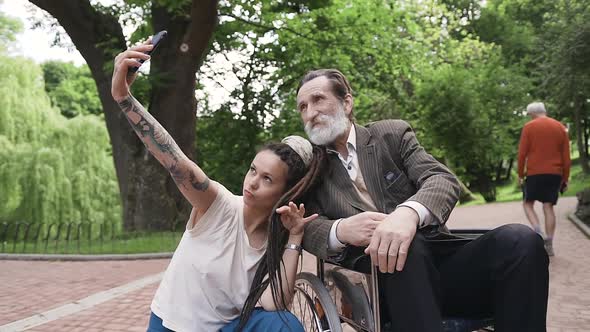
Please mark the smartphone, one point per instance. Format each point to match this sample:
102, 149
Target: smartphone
156, 39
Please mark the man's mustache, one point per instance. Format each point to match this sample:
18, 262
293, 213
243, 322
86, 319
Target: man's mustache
319, 118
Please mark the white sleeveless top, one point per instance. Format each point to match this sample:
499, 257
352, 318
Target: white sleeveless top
209, 277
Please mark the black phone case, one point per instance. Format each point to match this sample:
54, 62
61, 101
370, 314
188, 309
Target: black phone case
155, 41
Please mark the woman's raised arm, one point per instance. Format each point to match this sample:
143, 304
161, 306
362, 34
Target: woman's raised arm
190, 179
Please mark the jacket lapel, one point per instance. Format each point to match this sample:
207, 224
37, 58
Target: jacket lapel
369, 166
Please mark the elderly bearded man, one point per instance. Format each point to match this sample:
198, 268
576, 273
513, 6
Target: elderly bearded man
382, 191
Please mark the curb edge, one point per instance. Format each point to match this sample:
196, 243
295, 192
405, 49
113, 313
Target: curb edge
112, 257
580, 224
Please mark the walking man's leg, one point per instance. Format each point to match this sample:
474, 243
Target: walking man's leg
549, 226
531, 215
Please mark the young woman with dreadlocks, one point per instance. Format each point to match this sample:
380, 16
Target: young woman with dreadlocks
227, 237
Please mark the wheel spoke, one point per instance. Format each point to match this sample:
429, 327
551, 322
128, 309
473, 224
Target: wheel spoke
305, 310
309, 308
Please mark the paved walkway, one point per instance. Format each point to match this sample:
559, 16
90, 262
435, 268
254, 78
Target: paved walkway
115, 296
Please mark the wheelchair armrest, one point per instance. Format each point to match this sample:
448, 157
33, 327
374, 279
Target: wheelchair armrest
354, 258
469, 233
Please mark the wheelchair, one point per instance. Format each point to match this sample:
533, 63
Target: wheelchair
340, 293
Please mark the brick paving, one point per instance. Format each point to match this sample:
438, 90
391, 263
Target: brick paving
28, 287
32, 287
128, 313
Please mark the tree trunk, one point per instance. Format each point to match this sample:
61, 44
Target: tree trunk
586, 132
466, 195
509, 170
499, 172
486, 187
583, 208
580, 137
149, 196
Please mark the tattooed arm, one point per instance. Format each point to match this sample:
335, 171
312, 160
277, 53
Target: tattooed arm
190, 179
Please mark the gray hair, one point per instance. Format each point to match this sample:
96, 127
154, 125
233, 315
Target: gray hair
535, 108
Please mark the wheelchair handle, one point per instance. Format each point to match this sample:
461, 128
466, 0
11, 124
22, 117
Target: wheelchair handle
375, 297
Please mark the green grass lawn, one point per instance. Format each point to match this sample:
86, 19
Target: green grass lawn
124, 244
511, 192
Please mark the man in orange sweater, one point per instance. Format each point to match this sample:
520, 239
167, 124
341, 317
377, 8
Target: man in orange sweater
543, 157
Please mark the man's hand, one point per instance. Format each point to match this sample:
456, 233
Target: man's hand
122, 79
563, 187
392, 238
358, 229
520, 181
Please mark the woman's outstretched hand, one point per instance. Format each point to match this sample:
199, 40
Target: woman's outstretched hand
292, 218
122, 78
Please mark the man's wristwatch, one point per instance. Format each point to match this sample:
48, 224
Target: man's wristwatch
293, 246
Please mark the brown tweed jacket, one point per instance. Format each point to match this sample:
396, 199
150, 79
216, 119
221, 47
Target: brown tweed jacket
395, 168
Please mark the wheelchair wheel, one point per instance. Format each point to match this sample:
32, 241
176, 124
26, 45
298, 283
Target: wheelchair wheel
313, 305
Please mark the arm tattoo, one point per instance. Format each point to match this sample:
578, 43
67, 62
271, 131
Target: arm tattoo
159, 143
200, 186
149, 130
125, 103
180, 176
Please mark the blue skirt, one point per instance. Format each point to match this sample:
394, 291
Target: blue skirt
260, 321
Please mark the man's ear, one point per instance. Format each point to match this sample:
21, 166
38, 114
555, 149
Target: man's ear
348, 102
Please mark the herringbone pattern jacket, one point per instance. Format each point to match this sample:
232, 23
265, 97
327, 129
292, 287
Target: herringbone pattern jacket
395, 168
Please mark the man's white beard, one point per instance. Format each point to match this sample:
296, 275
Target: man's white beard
331, 127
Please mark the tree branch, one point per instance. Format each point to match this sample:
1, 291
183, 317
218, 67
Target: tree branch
203, 21
96, 35
272, 28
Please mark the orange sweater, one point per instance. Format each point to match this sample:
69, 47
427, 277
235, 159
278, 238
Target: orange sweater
544, 149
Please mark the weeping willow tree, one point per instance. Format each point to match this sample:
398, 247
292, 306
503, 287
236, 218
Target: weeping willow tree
51, 169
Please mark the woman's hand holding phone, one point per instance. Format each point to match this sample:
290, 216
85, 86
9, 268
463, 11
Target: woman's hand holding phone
128, 62
154, 40
122, 77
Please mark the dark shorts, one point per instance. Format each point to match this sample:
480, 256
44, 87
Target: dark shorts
542, 187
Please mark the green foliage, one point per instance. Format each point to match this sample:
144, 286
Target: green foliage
578, 180
461, 71
472, 112
511, 191
467, 94
280, 42
71, 89
51, 169
566, 37
9, 27
368, 40
551, 40
224, 157
511, 24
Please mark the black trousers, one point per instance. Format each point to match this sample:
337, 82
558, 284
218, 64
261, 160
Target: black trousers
502, 274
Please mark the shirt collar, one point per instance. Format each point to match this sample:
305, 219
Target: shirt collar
352, 138
350, 142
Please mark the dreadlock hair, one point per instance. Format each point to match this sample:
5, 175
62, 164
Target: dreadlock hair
300, 180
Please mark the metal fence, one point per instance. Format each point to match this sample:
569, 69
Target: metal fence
82, 238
